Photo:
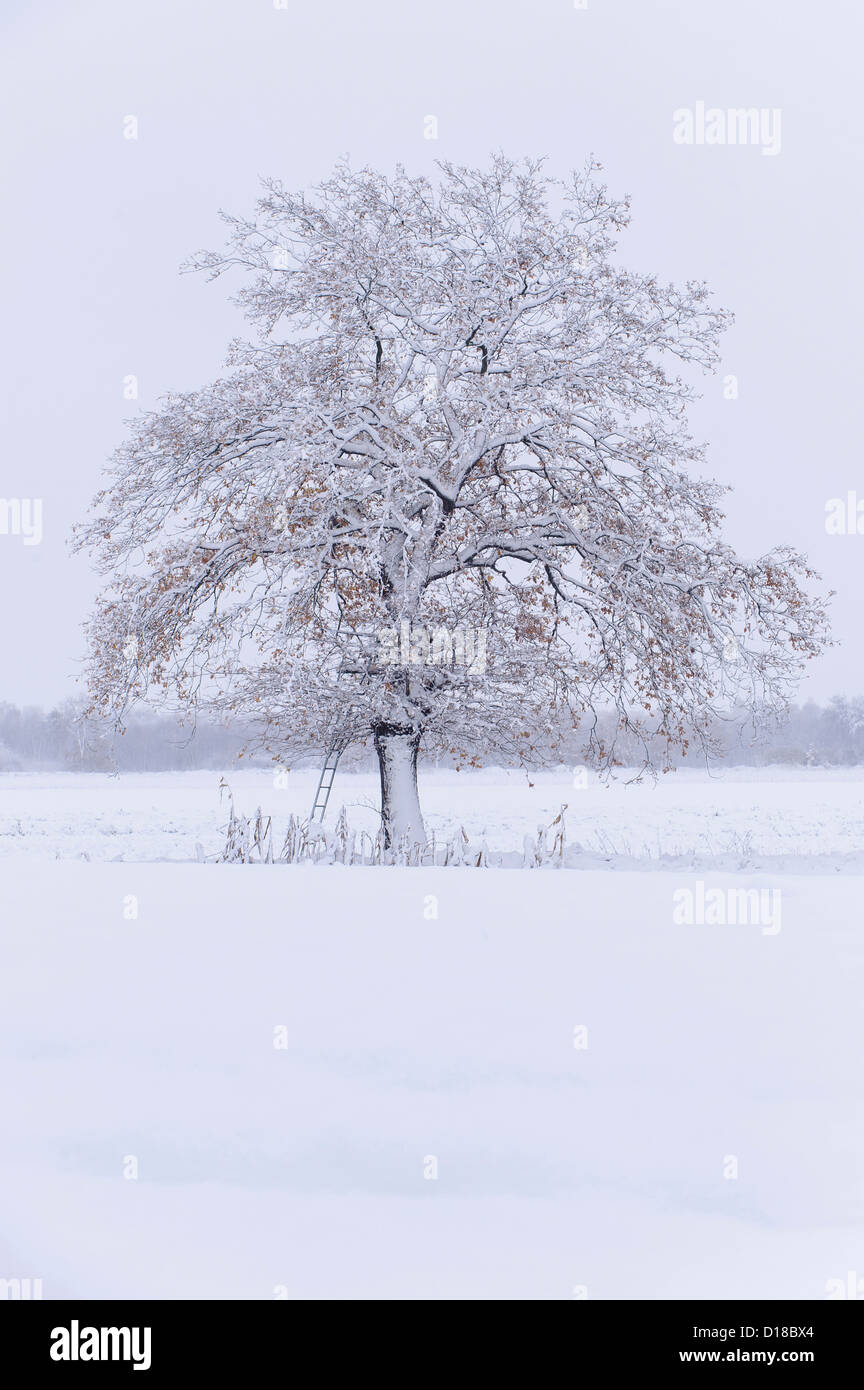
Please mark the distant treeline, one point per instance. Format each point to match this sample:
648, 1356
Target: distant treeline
33, 739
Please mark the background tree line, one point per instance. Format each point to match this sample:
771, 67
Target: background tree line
33, 739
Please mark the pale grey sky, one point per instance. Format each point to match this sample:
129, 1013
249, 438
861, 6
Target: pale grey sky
224, 91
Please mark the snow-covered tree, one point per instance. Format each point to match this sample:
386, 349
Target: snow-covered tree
443, 493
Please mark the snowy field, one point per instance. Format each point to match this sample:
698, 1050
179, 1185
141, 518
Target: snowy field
431, 1083
809, 820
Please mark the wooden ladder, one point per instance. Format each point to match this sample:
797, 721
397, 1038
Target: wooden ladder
337, 748
325, 781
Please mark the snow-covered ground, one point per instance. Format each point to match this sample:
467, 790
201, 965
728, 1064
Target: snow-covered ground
737, 817
430, 1083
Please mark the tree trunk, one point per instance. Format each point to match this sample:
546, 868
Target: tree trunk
397, 751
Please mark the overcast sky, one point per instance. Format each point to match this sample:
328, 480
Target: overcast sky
95, 225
